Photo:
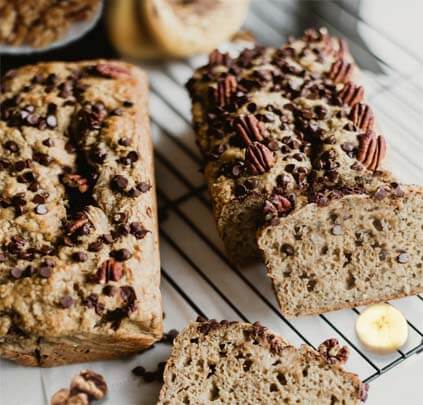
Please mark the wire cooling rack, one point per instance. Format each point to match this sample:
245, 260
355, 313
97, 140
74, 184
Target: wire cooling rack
197, 278
194, 263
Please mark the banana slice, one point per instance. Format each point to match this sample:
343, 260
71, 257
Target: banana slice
185, 27
128, 32
382, 329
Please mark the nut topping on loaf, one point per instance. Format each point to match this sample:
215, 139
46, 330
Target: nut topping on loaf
291, 121
79, 271
231, 362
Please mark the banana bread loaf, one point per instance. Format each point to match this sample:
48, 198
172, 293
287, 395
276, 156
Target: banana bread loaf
79, 263
239, 363
290, 144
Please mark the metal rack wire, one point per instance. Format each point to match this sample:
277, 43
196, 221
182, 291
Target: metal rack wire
182, 193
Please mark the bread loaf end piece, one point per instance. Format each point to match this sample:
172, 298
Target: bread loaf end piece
354, 251
239, 363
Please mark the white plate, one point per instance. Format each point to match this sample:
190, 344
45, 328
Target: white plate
76, 31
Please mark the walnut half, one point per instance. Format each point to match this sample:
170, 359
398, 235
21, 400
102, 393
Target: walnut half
86, 387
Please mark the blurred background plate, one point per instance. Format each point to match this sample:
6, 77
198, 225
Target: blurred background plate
76, 31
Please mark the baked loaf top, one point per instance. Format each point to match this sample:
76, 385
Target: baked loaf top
289, 123
234, 363
78, 229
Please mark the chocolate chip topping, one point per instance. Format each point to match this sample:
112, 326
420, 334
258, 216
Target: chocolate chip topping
119, 183
121, 254
66, 301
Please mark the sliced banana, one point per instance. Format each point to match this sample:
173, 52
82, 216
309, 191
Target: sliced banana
382, 329
128, 31
183, 28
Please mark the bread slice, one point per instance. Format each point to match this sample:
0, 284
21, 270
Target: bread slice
357, 250
240, 363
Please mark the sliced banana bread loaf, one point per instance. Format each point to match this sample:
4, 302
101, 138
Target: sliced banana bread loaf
240, 363
292, 148
79, 257
282, 124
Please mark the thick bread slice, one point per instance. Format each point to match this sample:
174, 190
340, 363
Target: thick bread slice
240, 363
355, 251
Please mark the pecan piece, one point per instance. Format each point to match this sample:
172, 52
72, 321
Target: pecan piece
79, 223
76, 181
110, 270
351, 94
250, 129
218, 58
225, 89
277, 205
362, 116
332, 351
340, 71
259, 158
111, 71
372, 150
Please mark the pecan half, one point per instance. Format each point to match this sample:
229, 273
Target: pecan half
332, 351
218, 58
76, 181
225, 89
362, 116
372, 150
111, 71
340, 71
259, 158
277, 205
249, 129
351, 94
110, 270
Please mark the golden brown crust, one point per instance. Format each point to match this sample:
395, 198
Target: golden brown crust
101, 288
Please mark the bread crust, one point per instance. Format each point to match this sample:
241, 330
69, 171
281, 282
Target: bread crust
96, 324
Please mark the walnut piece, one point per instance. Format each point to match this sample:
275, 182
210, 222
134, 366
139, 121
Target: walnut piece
86, 387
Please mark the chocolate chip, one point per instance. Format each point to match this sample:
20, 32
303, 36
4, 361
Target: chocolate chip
108, 239
120, 217
138, 371
380, 193
44, 271
119, 183
273, 145
110, 290
38, 199
121, 254
11, 146
16, 273
66, 301
287, 249
41, 209
20, 165
348, 146
117, 111
51, 121
2, 257
132, 156
240, 190
143, 186
403, 258
336, 230
79, 256
48, 142
127, 103
138, 230
124, 141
